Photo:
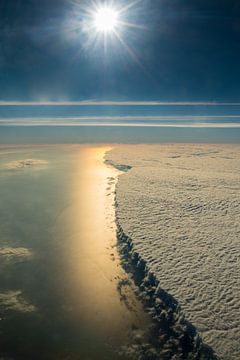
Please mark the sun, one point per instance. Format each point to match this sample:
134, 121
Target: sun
101, 24
106, 19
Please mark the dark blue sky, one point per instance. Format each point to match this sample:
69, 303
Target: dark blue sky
188, 50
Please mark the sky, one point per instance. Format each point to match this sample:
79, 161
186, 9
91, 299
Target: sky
178, 50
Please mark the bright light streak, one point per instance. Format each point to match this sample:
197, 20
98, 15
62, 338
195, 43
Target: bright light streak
105, 23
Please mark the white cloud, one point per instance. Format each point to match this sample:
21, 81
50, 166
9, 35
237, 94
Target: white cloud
153, 121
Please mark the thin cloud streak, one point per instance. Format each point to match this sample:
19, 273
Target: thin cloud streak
124, 118
196, 125
117, 103
128, 121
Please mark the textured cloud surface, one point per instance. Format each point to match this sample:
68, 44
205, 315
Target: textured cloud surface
180, 206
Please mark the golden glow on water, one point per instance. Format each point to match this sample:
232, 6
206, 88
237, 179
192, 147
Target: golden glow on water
62, 214
93, 264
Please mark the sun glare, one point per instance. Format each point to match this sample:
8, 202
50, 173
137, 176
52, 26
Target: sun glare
106, 19
106, 23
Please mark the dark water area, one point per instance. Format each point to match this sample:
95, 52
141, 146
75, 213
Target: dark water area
116, 134
63, 292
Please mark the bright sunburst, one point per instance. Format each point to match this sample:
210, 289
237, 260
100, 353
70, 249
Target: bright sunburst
105, 23
106, 19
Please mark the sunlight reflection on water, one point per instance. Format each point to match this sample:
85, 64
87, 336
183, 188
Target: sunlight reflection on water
63, 216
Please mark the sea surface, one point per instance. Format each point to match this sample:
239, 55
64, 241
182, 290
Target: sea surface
85, 134
63, 292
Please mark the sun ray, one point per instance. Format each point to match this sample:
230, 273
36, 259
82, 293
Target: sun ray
129, 6
129, 50
102, 24
132, 25
133, 55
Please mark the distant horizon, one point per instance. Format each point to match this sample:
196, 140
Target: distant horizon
116, 103
120, 113
198, 121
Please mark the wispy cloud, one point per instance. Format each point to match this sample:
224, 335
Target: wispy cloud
232, 121
117, 103
124, 118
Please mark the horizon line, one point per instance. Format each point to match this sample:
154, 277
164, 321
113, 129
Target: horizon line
124, 121
117, 103
196, 125
119, 117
